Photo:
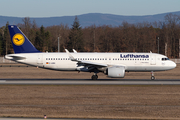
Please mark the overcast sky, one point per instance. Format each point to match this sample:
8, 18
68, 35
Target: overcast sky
54, 8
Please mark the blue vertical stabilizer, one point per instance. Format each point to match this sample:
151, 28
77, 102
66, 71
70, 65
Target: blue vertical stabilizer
20, 42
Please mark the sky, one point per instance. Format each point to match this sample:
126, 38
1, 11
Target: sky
57, 8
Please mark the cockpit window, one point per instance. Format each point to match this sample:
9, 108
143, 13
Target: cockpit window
163, 59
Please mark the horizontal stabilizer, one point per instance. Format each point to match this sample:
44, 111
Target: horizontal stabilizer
12, 57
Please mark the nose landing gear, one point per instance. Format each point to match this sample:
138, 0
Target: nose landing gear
152, 76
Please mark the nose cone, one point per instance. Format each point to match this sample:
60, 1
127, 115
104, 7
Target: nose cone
173, 65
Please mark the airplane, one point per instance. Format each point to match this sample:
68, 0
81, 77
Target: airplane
114, 65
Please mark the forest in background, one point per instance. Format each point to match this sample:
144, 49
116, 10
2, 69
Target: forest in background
140, 37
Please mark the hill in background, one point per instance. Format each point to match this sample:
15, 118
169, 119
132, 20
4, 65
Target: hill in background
88, 19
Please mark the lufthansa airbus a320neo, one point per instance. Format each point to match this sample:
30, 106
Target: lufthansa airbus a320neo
113, 65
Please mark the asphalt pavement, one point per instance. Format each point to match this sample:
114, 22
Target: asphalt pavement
90, 82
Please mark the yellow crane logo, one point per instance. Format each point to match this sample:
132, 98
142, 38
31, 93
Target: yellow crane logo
18, 39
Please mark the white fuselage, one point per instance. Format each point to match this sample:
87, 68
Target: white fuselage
61, 61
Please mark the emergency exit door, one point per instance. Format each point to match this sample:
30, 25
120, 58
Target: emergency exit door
40, 60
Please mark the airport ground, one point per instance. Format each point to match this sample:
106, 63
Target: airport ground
88, 101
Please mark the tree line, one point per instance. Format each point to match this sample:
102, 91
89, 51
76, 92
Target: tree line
140, 37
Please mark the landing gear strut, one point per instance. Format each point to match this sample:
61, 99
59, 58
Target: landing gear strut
94, 77
152, 76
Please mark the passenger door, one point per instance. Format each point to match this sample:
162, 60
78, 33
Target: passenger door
153, 60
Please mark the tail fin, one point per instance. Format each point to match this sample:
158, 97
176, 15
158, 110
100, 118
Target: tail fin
20, 42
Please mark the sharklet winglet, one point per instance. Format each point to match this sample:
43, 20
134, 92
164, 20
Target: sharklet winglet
74, 51
70, 56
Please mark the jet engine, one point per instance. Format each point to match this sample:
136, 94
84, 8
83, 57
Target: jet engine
115, 72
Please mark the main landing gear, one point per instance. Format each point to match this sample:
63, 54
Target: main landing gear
94, 77
152, 76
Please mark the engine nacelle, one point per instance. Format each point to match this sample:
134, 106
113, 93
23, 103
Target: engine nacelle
116, 71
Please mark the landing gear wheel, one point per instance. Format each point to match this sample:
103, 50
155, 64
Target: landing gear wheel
152, 78
94, 77
152, 75
97, 76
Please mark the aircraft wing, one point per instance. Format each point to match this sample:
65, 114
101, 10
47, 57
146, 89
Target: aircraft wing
87, 64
